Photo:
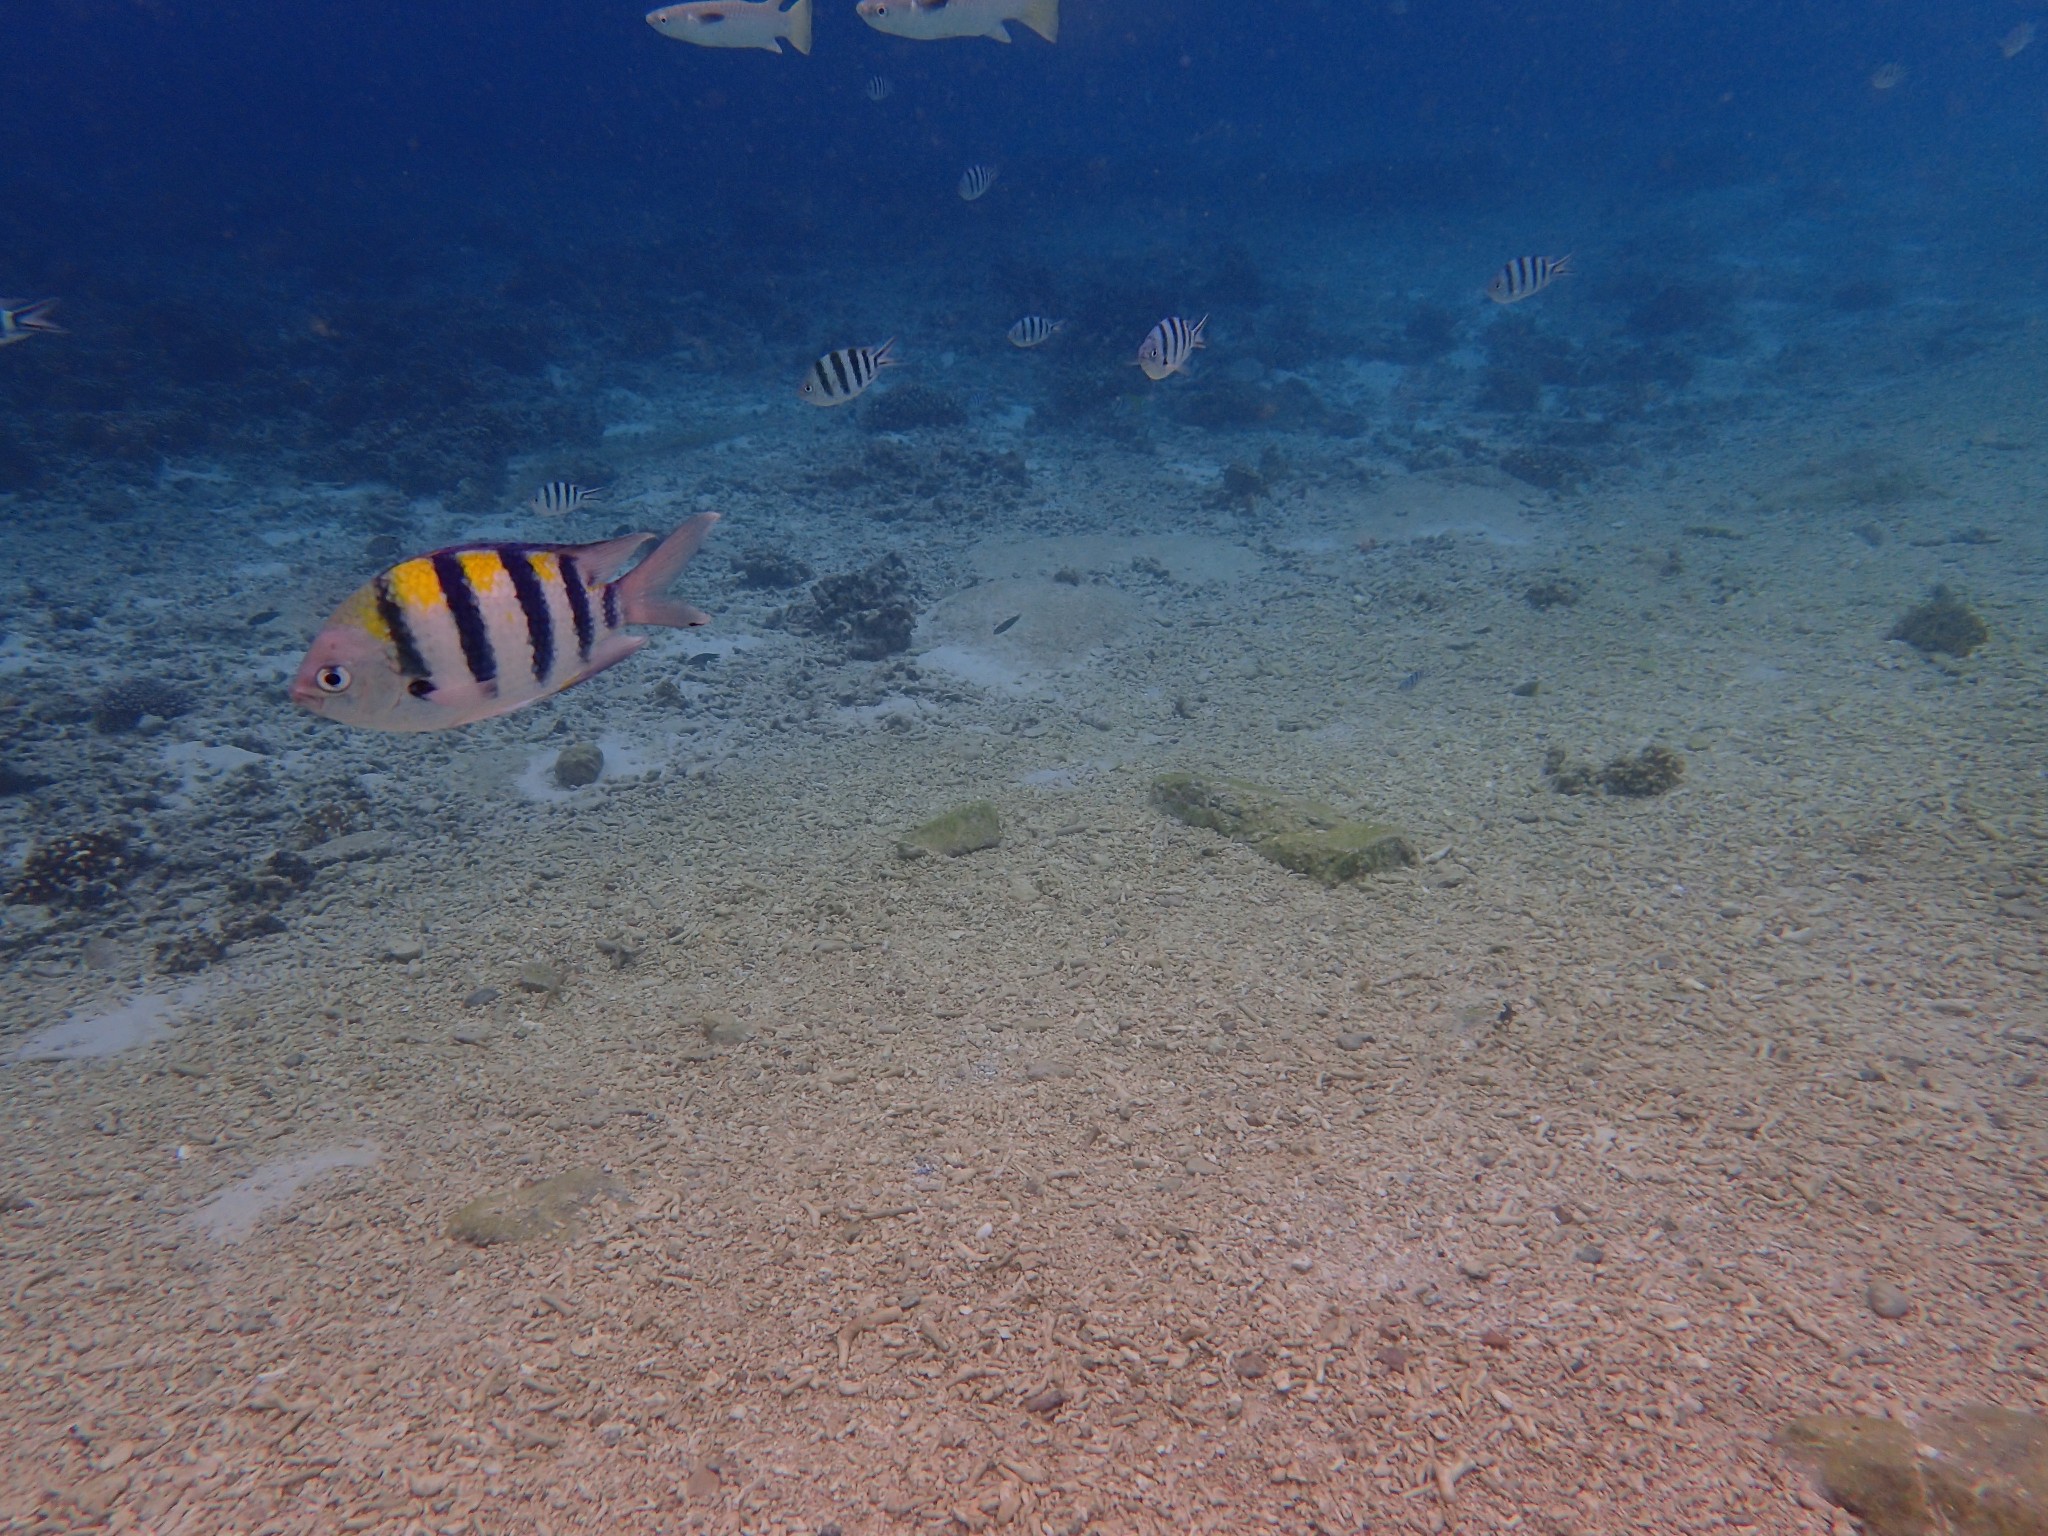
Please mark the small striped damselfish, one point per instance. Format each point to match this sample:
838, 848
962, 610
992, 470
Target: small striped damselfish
1034, 331
558, 497
1526, 275
975, 181
1169, 345
838, 376
459, 635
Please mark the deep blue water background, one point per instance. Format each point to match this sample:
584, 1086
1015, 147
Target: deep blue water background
449, 185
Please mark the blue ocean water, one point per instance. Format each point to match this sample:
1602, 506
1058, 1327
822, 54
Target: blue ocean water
1431, 921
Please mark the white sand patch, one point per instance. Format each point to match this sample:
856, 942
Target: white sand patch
198, 763
1189, 558
231, 1214
1421, 507
625, 759
141, 1020
1049, 629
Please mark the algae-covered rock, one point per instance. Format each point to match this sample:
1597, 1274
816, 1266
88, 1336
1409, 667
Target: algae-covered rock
579, 765
532, 1211
1975, 1472
1306, 836
1943, 623
962, 830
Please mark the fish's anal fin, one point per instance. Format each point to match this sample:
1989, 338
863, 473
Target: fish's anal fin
999, 32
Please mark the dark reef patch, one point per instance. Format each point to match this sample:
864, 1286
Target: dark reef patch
1652, 771
121, 706
868, 613
1944, 624
84, 870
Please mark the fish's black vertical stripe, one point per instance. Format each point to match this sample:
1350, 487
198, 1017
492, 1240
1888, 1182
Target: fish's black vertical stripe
468, 615
410, 661
533, 602
579, 606
838, 362
611, 605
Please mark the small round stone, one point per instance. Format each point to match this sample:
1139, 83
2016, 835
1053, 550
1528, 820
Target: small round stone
1590, 1253
1887, 1300
579, 765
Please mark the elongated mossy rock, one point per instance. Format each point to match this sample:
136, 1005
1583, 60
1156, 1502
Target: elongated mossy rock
1306, 836
962, 830
1975, 1472
531, 1211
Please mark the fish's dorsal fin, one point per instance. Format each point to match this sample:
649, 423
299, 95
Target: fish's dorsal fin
603, 561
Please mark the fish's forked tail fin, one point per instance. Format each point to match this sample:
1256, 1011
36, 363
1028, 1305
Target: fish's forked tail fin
36, 317
1562, 267
1195, 337
643, 591
798, 19
885, 355
1043, 17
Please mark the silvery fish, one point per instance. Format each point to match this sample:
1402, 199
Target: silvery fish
1169, 346
736, 24
976, 180
460, 635
838, 376
20, 320
929, 20
559, 497
2014, 43
880, 87
1526, 275
1034, 331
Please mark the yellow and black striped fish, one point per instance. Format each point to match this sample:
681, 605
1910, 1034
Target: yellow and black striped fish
1034, 331
1526, 275
976, 180
460, 635
838, 376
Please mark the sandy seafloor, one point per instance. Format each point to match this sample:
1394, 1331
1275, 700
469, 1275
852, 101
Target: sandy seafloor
1111, 1179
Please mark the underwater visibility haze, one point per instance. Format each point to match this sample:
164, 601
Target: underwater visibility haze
1066, 766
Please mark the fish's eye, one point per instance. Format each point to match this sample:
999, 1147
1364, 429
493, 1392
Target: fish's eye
332, 679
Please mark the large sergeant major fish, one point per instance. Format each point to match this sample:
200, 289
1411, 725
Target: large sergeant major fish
460, 635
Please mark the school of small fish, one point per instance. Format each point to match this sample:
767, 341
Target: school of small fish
460, 635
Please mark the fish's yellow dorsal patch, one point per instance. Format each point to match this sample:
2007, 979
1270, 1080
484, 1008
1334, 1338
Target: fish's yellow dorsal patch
545, 565
485, 570
415, 586
361, 611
